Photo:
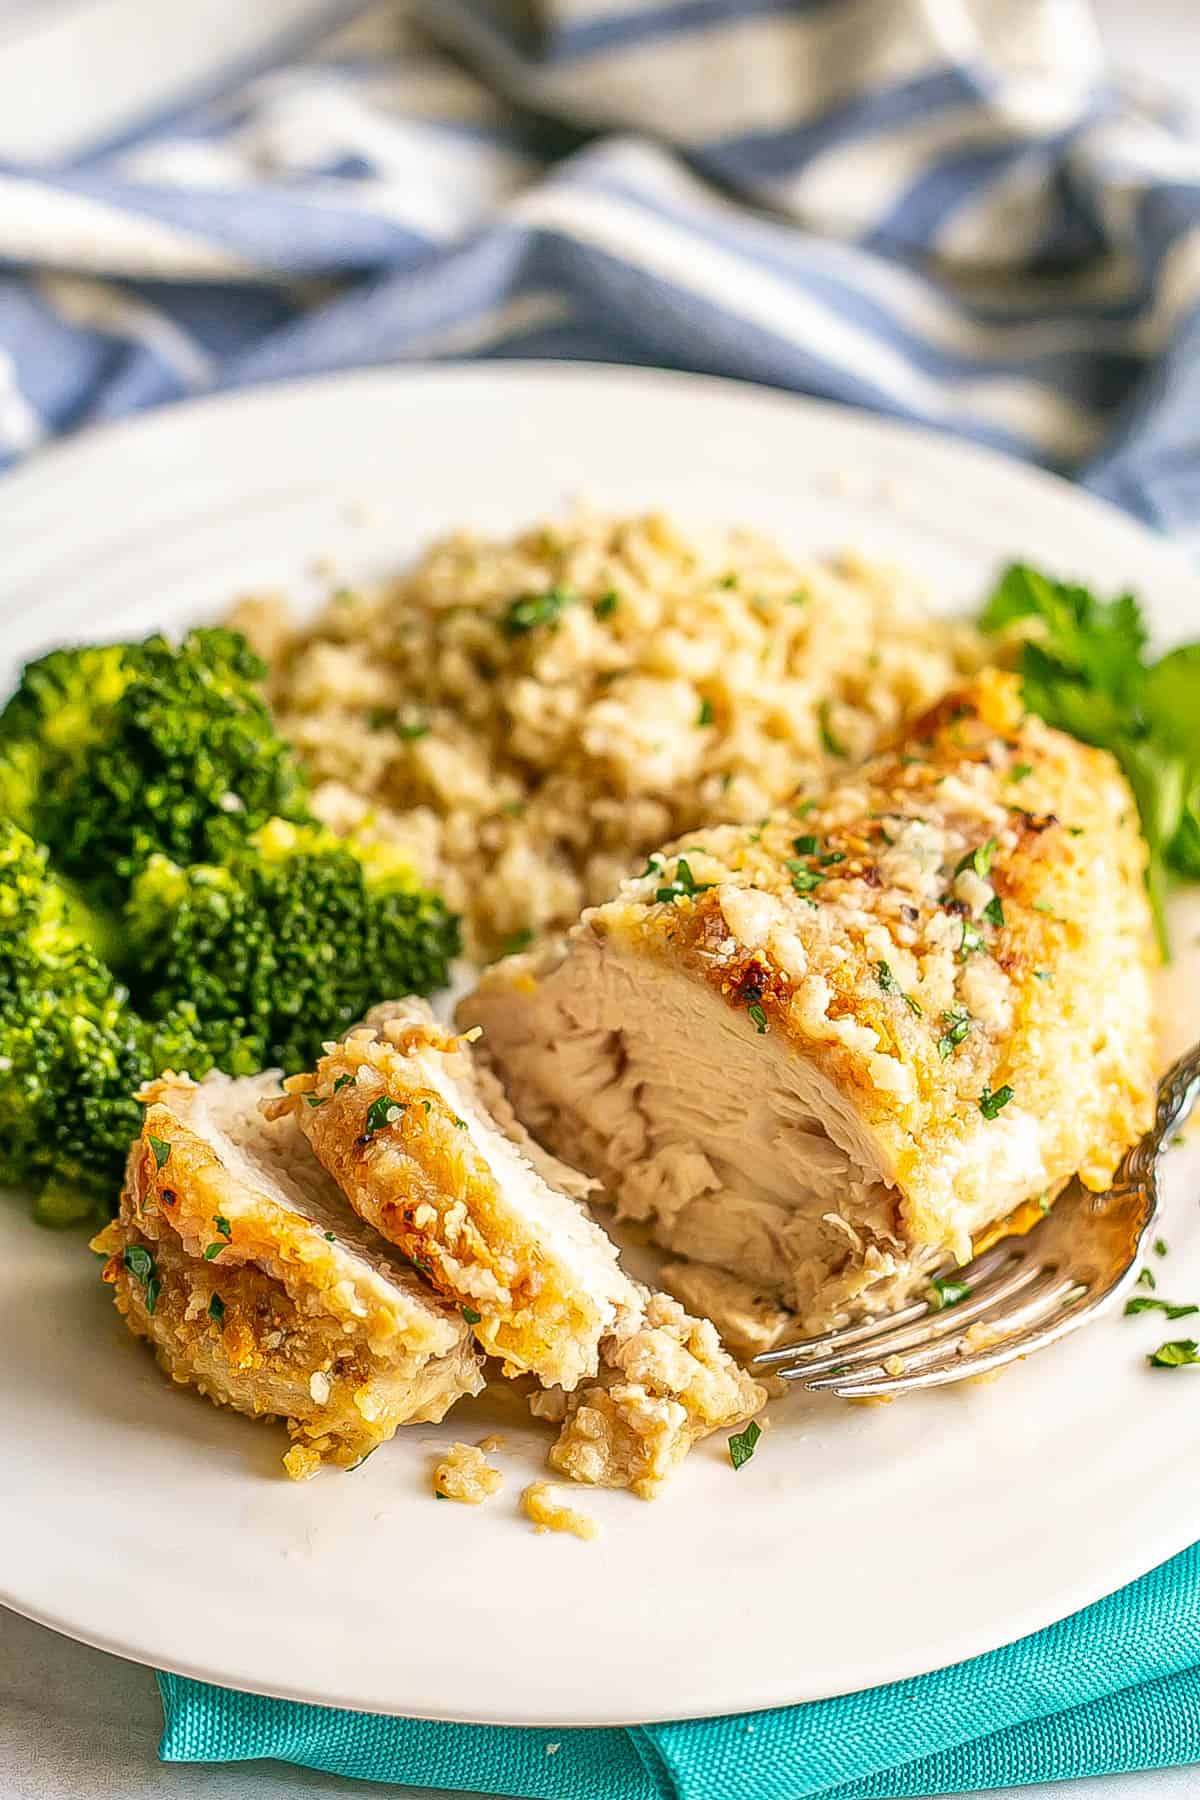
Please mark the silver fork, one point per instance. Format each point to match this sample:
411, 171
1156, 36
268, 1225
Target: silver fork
1022, 1294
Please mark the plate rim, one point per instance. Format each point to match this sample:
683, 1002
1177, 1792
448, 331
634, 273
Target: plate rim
56, 463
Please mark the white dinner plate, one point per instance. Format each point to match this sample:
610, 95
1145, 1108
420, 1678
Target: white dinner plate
861, 1544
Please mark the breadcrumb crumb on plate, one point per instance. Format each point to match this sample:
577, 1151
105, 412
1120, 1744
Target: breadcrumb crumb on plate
465, 1474
541, 1504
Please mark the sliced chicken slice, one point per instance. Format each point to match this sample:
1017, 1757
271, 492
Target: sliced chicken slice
396, 1114
665, 1382
824, 1054
238, 1259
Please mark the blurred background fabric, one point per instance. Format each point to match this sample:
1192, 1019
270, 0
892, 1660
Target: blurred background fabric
946, 210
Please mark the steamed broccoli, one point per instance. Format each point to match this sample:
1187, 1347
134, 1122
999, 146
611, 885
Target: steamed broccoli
110, 754
286, 942
72, 1051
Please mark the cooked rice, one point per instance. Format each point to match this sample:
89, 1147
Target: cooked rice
530, 717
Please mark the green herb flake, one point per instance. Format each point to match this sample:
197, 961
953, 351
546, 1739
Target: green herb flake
684, 886
758, 1017
804, 880
1146, 1279
607, 604
802, 809
889, 984
221, 1226
460, 1124
1160, 1246
1020, 771
706, 715
830, 743
1148, 1303
990, 1104
381, 1112
315, 1100
213, 1250
341, 1082
957, 1021
728, 581
805, 846
138, 1260
979, 859
330, 1237
993, 912
520, 940
411, 729
161, 1149
1175, 1355
801, 597
216, 1309
742, 1444
945, 1291
470, 1315
971, 941
529, 611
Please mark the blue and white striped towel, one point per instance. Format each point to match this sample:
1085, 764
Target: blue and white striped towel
942, 209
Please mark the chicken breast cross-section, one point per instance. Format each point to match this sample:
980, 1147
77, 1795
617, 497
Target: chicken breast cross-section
396, 1114
825, 1054
238, 1259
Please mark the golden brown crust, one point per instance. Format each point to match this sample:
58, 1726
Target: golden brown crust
258, 1308
536, 1279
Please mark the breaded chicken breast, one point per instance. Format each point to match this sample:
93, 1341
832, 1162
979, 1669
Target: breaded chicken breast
826, 1053
427, 1149
396, 1115
238, 1259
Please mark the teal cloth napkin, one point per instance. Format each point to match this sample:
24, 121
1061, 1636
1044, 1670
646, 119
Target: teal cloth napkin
1114, 1687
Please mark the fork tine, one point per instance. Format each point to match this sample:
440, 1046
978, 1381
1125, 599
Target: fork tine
931, 1326
845, 1336
1048, 1315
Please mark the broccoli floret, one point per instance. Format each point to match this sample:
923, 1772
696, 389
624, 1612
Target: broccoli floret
72, 1051
112, 754
286, 943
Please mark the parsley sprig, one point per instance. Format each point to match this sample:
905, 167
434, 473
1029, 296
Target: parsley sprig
1084, 668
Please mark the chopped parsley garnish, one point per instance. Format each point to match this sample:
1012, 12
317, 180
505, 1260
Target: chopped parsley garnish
315, 1100
802, 809
759, 1018
607, 604
411, 729
161, 1149
1146, 1279
728, 581
889, 984
684, 886
1147, 1303
1019, 771
216, 1309
1044, 1203
1175, 1355
140, 1263
705, 716
221, 1226
979, 859
831, 744
990, 1103
993, 912
804, 880
381, 1112
945, 1291
957, 1021
520, 940
1160, 1246
972, 940
742, 1443
470, 1315
806, 846
341, 1082
460, 1124
528, 611
331, 1237
654, 866
381, 716
213, 1250
801, 597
